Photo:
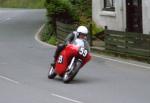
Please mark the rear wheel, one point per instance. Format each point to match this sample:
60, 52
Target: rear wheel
70, 74
51, 73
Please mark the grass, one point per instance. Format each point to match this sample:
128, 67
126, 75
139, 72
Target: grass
52, 40
96, 29
22, 3
121, 55
46, 37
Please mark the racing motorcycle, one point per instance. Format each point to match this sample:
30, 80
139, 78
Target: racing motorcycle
70, 60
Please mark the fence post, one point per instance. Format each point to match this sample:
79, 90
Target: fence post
149, 52
105, 37
126, 44
90, 36
55, 27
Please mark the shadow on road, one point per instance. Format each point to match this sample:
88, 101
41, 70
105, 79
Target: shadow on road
79, 80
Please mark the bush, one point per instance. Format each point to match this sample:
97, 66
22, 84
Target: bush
61, 10
52, 40
84, 10
46, 33
47, 37
68, 11
96, 29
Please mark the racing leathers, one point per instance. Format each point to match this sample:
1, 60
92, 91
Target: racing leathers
69, 39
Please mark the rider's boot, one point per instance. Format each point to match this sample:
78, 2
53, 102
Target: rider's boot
60, 47
54, 61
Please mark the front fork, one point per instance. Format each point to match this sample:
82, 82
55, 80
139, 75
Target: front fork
72, 64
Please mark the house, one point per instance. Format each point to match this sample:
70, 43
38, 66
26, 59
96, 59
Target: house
122, 15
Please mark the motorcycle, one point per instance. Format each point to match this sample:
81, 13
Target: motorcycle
70, 60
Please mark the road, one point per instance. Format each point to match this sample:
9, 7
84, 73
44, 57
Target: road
24, 65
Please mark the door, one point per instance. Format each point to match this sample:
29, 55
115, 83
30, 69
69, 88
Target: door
134, 16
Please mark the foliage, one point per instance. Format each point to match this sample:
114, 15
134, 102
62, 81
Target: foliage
52, 40
84, 11
46, 37
61, 10
49, 39
70, 11
76, 12
22, 3
45, 34
96, 29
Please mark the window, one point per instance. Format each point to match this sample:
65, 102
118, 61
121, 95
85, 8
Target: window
109, 5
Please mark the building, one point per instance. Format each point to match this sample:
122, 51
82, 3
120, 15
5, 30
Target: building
122, 15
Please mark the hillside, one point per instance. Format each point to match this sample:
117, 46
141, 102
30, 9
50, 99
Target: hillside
22, 3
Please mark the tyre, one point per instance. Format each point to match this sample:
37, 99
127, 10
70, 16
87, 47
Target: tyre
51, 73
69, 75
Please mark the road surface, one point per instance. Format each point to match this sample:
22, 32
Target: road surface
24, 65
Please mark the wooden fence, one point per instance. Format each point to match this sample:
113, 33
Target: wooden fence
130, 44
63, 30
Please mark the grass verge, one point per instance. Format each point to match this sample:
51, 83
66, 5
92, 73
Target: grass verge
22, 3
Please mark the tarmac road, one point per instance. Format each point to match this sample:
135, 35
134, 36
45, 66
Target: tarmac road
24, 65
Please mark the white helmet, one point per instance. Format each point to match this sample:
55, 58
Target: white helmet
82, 29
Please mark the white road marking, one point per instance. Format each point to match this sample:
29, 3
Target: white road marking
8, 79
119, 61
124, 62
65, 98
37, 37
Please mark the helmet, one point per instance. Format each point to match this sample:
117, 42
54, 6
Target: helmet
82, 29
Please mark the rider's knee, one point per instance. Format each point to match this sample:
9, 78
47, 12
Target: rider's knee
61, 46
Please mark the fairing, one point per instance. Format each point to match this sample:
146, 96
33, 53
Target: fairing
66, 55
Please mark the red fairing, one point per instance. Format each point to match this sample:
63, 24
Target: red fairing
86, 59
65, 57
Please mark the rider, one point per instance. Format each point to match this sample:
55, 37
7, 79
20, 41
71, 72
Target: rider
80, 33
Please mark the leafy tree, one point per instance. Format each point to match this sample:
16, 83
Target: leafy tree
68, 11
61, 10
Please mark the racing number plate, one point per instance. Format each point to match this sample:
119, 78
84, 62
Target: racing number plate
83, 52
60, 59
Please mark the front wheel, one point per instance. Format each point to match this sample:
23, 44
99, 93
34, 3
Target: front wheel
69, 75
51, 73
